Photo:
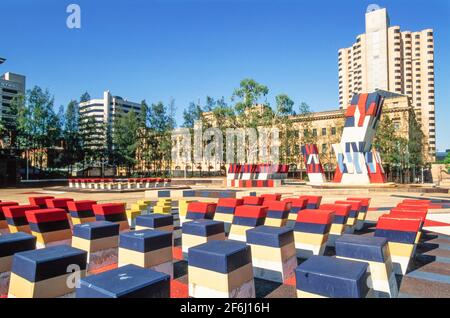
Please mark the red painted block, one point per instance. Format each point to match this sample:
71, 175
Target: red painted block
202, 207
251, 211
271, 197
413, 201
45, 215
276, 205
252, 200
364, 201
18, 211
320, 216
108, 208
40, 201
83, 205
230, 202
407, 215
355, 205
60, 203
387, 222
339, 209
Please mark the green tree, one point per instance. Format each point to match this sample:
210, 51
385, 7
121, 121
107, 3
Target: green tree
71, 134
85, 97
126, 138
249, 92
285, 109
191, 114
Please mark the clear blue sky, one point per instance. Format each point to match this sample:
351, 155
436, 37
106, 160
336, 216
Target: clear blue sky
187, 49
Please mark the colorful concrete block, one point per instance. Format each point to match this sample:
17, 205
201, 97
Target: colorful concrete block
163, 206
58, 203
323, 277
3, 223
81, 211
200, 231
225, 211
296, 205
40, 201
365, 202
402, 235
375, 252
277, 213
201, 210
162, 222
221, 269
273, 252
313, 201
270, 197
50, 226
252, 200
16, 219
11, 244
311, 232
182, 209
112, 212
353, 214
339, 224
47, 273
246, 217
147, 248
100, 240
129, 281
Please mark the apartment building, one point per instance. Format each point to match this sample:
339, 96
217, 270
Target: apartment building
386, 58
104, 111
11, 85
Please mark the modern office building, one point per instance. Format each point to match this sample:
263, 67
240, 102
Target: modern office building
11, 85
105, 110
386, 58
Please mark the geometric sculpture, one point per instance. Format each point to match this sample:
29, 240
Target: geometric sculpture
314, 168
16, 219
246, 217
225, 211
357, 162
339, 223
81, 211
365, 202
277, 213
112, 212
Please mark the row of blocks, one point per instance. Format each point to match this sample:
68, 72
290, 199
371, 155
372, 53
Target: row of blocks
101, 184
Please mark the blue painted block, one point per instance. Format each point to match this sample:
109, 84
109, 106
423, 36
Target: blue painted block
154, 220
270, 236
128, 281
164, 194
332, 277
203, 227
96, 230
225, 209
397, 236
238, 220
312, 227
188, 193
41, 264
11, 244
220, 256
361, 247
145, 240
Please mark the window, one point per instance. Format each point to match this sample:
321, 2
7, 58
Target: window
396, 125
314, 132
324, 148
333, 130
324, 131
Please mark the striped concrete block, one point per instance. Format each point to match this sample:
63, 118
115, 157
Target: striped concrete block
200, 231
402, 235
245, 218
313, 201
273, 252
45, 273
221, 269
225, 211
11, 244
375, 252
100, 240
365, 202
128, 281
50, 226
3, 223
112, 212
81, 211
327, 277
147, 248
339, 224
16, 218
311, 232
277, 213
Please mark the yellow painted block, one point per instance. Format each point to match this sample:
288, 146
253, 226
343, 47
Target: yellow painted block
92, 246
138, 207
145, 260
273, 254
337, 229
22, 228
310, 238
275, 222
223, 217
220, 281
239, 229
400, 249
53, 236
132, 214
362, 216
303, 294
162, 210
82, 220
351, 221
